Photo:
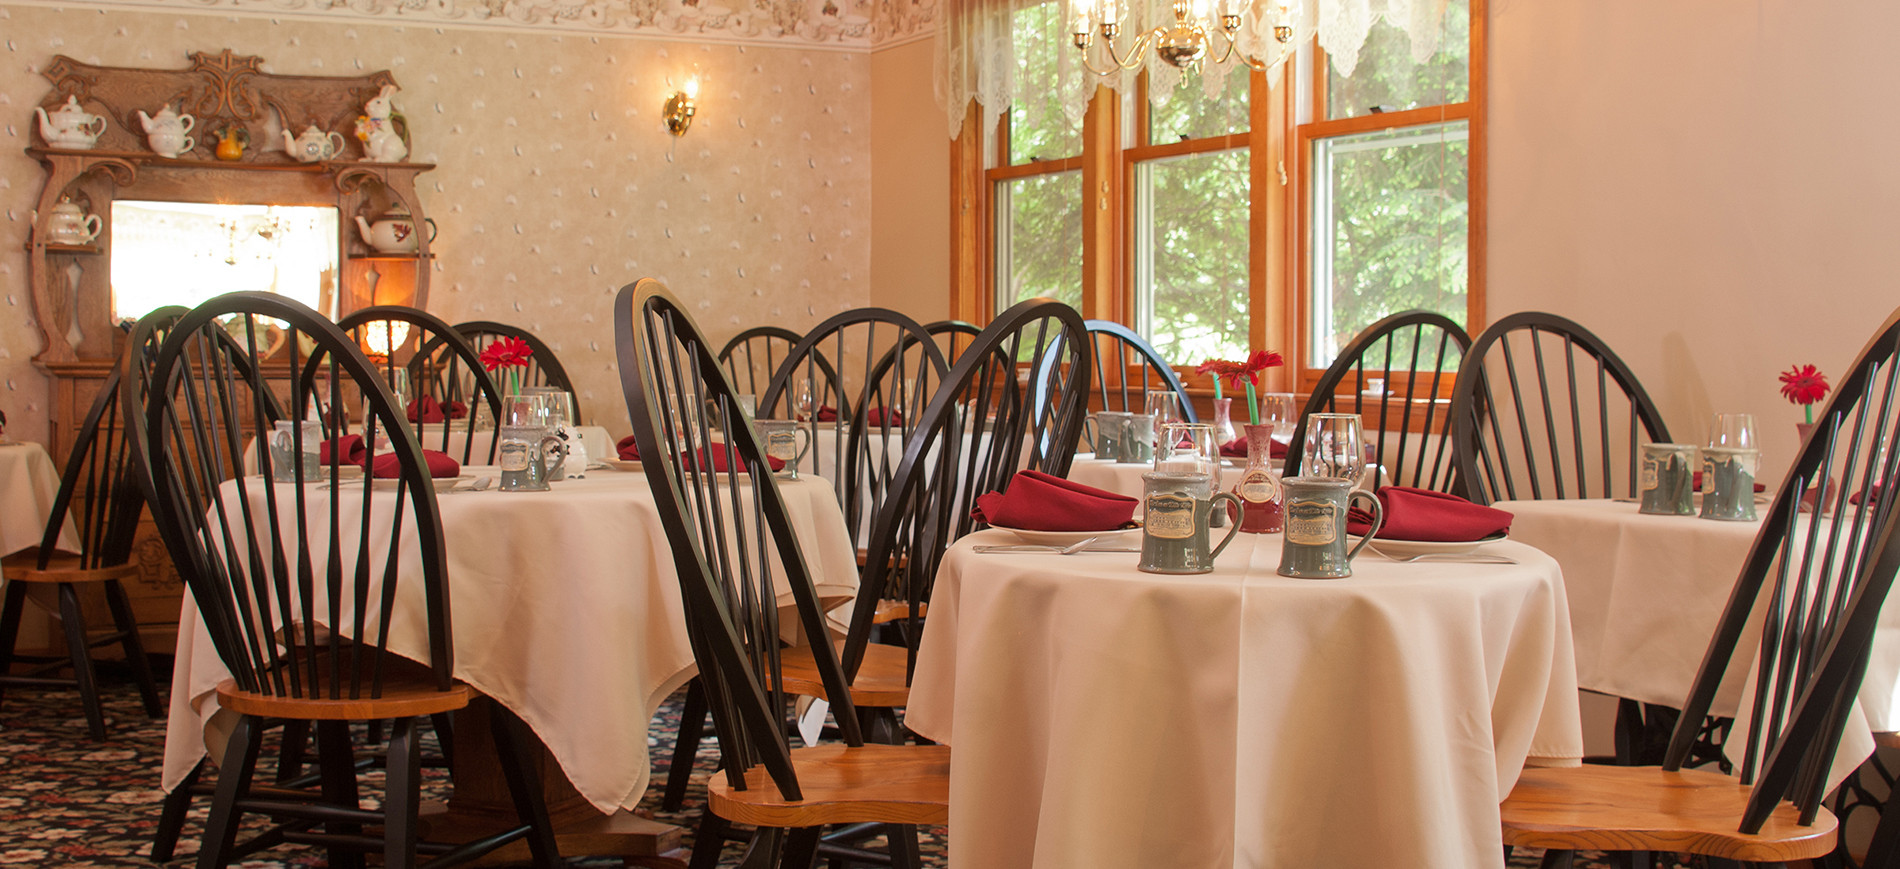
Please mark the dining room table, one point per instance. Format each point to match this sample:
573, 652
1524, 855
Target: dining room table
1104, 716
566, 609
29, 483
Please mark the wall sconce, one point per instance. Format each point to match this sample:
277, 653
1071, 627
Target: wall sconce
680, 108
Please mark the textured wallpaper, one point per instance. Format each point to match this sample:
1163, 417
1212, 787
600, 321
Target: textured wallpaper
555, 182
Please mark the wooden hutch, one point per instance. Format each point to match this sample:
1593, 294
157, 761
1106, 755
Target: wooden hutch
230, 97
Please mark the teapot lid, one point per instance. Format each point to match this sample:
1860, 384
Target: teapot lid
71, 107
396, 210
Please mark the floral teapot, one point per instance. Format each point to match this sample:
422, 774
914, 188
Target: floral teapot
70, 126
70, 224
314, 145
394, 232
166, 132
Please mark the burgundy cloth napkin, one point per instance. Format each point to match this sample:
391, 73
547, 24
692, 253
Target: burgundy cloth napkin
630, 451
1040, 502
1237, 448
350, 450
719, 461
874, 416
827, 413
387, 466
428, 409
1695, 481
1421, 514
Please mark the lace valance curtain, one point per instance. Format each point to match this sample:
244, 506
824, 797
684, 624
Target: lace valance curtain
997, 51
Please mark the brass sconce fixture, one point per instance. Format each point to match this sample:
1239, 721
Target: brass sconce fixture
680, 108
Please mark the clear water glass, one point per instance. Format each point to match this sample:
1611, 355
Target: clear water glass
1165, 407
1733, 431
1277, 409
1334, 448
1189, 448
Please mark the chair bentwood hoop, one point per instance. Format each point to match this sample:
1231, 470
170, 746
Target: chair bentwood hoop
438, 363
739, 563
317, 618
543, 369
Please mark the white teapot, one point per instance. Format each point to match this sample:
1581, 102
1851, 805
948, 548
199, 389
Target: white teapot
70, 126
313, 145
394, 232
166, 132
70, 224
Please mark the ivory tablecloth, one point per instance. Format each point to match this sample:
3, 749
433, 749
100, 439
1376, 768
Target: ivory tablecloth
566, 609
29, 483
1104, 717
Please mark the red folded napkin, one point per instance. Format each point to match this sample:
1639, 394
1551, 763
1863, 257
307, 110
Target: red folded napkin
827, 413
1421, 514
350, 450
630, 451
387, 466
1040, 502
1237, 448
876, 416
428, 409
1695, 481
719, 461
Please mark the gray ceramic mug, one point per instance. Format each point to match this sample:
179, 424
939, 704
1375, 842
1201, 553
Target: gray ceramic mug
1175, 518
1315, 546
524, 456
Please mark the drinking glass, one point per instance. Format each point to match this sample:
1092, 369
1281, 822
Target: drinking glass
1277, 409
803, 406
1733, 431
1334, 447
1165, 407
1189, 448
559, 403
528, 409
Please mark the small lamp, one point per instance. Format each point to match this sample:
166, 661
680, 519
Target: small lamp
680, 108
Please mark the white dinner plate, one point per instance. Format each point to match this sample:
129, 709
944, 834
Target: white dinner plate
1067, 538
442, 484
1409, 548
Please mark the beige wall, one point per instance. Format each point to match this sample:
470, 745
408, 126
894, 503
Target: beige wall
910, 185
556, 183
1710, 186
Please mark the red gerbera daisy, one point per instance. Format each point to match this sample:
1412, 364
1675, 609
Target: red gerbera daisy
1803, 384
507, 353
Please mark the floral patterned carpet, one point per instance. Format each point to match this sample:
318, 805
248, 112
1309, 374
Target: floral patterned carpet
66, 801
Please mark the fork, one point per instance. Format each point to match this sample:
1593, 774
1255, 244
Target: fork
1468, 558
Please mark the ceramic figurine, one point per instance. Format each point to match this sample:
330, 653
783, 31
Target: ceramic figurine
231, 143
377, 129
393, 232
314, 145
70, 126
166, 132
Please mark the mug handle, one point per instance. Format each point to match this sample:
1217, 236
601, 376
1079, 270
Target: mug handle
554, 446
1088, 432
1378, 519
1233, 528
190, 143
803, 449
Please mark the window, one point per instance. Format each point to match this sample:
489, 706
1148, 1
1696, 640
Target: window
1234, 214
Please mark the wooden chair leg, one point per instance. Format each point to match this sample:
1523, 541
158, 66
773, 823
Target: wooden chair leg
905, 852
75, 626
402, 795
234, 778
708, 841
801, 848
692, 728
444, 725
171, 816
134, 647
336, 764
512, 740
10, 629
1556, 859
291, 748
1883, 852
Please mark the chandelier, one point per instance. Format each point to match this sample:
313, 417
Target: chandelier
1182, 44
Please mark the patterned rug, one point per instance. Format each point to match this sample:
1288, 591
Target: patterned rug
66, 801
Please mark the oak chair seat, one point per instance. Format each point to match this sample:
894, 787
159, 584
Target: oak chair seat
402, 697
844, 784
1646, 808
882, 679
896, 611
65, 568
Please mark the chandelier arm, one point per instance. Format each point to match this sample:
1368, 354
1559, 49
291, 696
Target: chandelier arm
1131, 61
1232, 51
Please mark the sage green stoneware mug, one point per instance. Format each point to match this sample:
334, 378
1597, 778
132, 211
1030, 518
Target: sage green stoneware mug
1315, 546
1174, 537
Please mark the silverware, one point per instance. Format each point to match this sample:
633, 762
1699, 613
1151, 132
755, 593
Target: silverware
1465, 557
1051, 550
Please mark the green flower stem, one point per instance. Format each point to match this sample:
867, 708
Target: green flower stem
1216, 387
1809, 410
1253, 404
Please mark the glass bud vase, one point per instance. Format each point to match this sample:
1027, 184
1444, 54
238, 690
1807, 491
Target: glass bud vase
1223, 424
1263, 506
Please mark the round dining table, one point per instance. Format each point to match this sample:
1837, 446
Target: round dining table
29, 483
566, 609
1103, 716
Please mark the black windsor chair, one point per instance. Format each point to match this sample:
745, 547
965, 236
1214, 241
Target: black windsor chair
754, 355
1128, 370
437, 362
544, 368
1542, 409
100, 495
738, 560
1816, 586
953, 336
301, 605
1408, 422
902, 367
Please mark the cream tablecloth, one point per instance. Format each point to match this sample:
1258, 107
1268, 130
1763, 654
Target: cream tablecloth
29, 483
1105, 717
566, 609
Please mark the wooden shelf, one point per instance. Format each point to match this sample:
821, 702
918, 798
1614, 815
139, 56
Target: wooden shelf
266, 163
55, 247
